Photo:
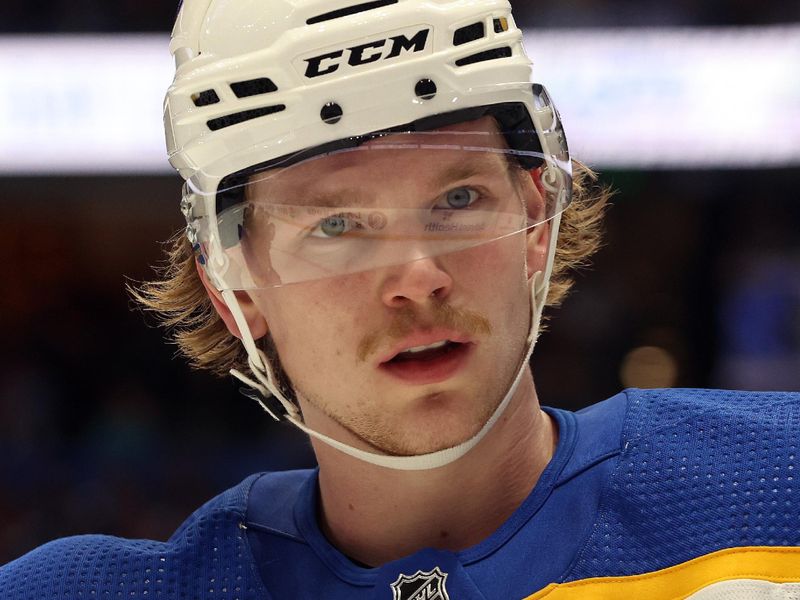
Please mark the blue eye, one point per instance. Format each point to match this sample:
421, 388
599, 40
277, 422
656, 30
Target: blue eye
335, 226
461, 197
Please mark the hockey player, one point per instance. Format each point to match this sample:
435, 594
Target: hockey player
374, 194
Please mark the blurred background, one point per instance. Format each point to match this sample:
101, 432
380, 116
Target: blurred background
690, 110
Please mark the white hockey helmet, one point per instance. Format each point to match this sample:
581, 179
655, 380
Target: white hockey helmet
264, 85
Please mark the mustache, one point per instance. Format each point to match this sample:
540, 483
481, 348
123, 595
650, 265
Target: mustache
407, 320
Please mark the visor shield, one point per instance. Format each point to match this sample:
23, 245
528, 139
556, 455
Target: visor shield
385, 199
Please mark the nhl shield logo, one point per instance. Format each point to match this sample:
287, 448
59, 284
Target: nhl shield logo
423, 585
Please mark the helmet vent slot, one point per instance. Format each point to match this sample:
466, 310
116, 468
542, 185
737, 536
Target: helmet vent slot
253, 87
241, 117
350, 10
493, 54
205, 98
470, 33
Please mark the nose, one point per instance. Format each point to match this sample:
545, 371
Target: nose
416, 282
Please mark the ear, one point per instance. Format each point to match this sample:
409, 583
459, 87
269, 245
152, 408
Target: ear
255, 320
538, 238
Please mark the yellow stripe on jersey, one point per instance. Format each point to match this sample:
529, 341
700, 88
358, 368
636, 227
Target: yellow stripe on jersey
767, 563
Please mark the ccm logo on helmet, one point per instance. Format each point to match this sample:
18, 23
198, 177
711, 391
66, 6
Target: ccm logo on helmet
370, 52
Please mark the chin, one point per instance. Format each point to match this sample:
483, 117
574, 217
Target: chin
435, 428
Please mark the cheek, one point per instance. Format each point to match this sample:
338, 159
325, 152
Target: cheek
316, 320
497, 263
497, 276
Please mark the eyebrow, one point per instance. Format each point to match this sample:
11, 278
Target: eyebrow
479, 163
339, 198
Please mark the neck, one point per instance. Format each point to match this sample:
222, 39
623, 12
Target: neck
431, 508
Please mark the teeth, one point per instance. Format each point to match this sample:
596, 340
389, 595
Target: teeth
416, 349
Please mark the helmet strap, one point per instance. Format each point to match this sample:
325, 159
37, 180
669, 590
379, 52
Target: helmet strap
265, 384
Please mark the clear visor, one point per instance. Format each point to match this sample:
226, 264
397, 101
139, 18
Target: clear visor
388, 199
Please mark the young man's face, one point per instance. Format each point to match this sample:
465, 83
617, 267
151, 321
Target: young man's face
458, 302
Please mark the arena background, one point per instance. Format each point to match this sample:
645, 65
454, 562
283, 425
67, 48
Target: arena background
103, 429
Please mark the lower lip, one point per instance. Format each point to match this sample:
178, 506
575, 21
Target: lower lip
421, 372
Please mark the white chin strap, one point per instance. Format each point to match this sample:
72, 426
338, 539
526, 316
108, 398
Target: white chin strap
266, 384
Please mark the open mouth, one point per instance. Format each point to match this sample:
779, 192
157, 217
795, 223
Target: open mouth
425, 353
428, 364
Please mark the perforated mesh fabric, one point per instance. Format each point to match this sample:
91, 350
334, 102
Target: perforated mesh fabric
208, 557
701, 470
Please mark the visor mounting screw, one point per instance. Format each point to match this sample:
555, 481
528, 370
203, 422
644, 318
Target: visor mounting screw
331, 113
186, 208
425, 89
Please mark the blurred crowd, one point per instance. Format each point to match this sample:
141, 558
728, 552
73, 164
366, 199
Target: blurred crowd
101, 427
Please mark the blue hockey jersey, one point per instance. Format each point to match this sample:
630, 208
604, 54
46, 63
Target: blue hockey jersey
655, 494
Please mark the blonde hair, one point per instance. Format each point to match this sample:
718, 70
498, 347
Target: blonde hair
180, 303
